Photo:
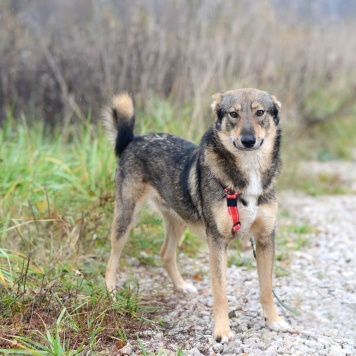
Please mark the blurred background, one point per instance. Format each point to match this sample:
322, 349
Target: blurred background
61, 60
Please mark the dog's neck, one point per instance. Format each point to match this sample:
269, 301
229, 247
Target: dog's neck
249, 172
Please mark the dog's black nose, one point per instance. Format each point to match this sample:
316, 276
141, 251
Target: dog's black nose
248, 141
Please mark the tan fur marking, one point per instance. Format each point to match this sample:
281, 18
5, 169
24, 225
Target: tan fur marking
222, 219
109, 124
216, 101
192, 179
174, 228
118, 242
262, 229
256, 105
211, 159
123, 104
218, 264
236, 108
276, 101
265, 219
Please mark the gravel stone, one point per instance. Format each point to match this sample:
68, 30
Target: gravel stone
218, 347
194, 352
126, 350
272, 350
232, 347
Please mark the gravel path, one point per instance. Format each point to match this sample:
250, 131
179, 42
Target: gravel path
321, 284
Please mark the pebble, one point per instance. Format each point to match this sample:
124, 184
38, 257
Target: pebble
272, 350
318, 281
218, 347
126, 350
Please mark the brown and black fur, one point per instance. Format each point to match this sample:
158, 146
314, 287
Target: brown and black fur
241, 150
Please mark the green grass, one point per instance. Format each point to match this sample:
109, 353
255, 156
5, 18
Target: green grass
236, 258
314, 184
327, 141
335, 139
290, 237
323, 183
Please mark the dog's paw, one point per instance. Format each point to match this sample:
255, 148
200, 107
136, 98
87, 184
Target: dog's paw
280, 325
223, 336
186, 288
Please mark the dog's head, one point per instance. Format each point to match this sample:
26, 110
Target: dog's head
245, 118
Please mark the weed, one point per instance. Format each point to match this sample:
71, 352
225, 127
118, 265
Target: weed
190, 243
236, 258
142, 346
52, 343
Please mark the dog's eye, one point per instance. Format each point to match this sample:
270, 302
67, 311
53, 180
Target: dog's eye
233, 114
260, 112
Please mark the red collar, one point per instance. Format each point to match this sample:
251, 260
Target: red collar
231, 199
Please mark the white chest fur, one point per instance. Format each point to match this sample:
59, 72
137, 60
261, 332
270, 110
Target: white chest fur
251, 168
253, 189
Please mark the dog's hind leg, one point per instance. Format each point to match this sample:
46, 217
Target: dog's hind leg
174, 228
124, 218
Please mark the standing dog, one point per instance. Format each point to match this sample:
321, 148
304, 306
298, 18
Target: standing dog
221, 189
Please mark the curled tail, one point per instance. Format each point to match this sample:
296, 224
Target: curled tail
118, 120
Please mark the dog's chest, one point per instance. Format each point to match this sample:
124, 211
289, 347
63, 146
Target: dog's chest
248, 205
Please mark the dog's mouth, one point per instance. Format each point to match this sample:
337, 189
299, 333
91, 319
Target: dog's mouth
242, 147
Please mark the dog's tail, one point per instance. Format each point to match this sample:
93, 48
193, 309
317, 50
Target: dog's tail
118, 120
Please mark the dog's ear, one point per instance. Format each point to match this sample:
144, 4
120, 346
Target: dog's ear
217, 107
276, 108
276, 102
216, 102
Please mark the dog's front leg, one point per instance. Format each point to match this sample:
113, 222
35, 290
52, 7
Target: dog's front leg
218, 264
265, 250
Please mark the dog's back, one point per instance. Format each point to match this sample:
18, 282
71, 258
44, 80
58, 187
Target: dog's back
162, 161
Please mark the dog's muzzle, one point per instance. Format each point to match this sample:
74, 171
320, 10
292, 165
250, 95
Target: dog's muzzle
248, 143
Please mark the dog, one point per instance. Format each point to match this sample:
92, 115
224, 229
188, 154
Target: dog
221, 189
